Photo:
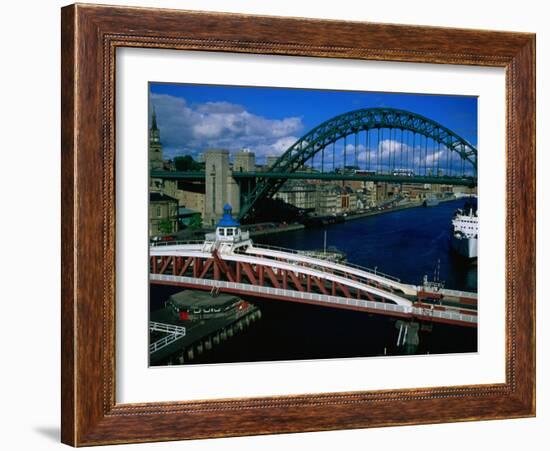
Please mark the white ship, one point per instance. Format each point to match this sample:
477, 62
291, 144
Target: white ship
465, 231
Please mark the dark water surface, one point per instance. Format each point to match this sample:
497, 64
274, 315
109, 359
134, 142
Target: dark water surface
406, 244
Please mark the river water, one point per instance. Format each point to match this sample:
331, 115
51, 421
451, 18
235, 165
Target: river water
407, 244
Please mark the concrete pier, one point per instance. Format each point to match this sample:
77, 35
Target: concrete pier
408, 335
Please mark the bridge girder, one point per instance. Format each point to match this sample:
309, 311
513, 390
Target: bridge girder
236, 269
190, 267
193, 177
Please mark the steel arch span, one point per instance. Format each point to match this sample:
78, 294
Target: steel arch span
364, 120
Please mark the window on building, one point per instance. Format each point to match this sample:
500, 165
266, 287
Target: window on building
158, 211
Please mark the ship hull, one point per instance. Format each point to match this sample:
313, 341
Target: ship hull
465, 247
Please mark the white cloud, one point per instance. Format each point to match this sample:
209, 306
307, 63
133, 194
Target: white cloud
191, 129
219, 107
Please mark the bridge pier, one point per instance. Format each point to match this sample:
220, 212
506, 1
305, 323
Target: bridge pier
220, 186
407, 337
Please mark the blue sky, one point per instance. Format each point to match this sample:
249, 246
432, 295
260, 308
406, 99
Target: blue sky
193, 118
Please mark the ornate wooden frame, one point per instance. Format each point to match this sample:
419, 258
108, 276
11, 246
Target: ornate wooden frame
90, 413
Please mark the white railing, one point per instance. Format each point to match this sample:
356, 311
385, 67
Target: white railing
328, 299
246, 235
174, 333
175, 243
332, 273
301, 252
168, 328
243, 236
447, 291
351, 274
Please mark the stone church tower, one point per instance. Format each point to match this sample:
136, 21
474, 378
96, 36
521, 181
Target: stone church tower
155, 146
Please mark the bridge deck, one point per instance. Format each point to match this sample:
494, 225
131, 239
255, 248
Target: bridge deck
199, 176
384, 294
349, 269
316, 268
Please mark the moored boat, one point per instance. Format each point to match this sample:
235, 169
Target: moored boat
465, 231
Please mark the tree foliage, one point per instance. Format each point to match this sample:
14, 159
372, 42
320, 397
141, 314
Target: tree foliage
186, 163
195, 222
165, 226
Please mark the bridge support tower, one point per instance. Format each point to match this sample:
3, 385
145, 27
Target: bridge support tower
220, 187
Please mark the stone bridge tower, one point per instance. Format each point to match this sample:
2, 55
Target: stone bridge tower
221, 188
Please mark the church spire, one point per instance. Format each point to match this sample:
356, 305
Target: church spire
154, 119
154, 132
155, 146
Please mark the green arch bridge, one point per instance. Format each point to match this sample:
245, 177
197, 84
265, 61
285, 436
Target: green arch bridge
370, 144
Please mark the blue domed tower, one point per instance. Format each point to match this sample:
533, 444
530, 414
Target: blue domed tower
228, 235
228, 228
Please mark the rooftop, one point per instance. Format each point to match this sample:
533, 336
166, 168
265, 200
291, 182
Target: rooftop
189, 298
182, 211
160, 197
227, 219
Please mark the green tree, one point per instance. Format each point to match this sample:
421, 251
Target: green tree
195, 222
165, 226
186, 163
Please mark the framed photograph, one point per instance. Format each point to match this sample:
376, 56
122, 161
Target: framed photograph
278, 225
